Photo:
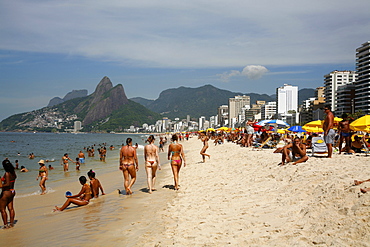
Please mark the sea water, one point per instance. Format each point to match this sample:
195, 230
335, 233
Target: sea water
52, 147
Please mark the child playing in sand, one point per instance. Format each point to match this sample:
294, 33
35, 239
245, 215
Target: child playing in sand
81, 199
95, 184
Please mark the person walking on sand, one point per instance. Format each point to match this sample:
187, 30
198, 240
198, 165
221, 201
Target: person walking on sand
7, 194
43, 174
176, 155
329, 133
204, 139
81, 199
151, 163
127, 161
65, 160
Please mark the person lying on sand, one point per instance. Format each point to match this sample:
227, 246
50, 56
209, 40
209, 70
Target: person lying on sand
81, 199
357, 182
294, 152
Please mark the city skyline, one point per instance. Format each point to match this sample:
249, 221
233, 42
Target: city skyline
48, 49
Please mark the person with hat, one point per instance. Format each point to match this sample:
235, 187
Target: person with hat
43, 173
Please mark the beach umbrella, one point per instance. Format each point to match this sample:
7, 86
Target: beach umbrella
315, 129
316, 123
262, 123
278, 122
223, 128
337, 119
211, 130
296, 128
361, 124
281, 131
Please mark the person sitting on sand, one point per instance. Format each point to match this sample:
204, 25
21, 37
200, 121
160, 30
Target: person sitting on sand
81, 199
95, 184
357, 145
151, 163
294, 152
357, 182
127, 161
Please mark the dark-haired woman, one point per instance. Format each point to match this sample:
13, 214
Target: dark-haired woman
127, 161
151, 162
81, 199
176, 155
95, 184
7, 194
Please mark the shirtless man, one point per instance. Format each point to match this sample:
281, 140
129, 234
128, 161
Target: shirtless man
329, 133
81, 157
151, 162
345, 134
127, 161
297, 153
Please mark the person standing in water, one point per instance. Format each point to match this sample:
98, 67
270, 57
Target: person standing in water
65, 159
151, 162
43, 174
204, 139
7, 194
177, 156
127, 161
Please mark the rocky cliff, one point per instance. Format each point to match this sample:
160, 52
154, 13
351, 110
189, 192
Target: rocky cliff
102, 102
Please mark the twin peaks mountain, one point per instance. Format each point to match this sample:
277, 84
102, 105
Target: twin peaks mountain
106, 109
109, 109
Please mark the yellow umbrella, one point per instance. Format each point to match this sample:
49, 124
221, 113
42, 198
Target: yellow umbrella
313, 129
361, 124
281, 131
337, 119
223, 128
316, 123
211, 129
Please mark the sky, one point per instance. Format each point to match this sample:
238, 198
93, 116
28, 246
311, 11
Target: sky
49, 48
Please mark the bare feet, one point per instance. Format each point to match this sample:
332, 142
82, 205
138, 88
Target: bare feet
365, 190
357, 182
56, 209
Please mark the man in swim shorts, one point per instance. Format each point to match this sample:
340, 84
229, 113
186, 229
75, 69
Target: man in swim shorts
81, 157
345, 134
329, 133
294, 152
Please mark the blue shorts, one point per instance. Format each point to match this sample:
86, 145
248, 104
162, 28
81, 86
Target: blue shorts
82, 160
345, 134
329, 139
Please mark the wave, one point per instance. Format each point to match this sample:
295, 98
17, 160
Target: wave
48, 190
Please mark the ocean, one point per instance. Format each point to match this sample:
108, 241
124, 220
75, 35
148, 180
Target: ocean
52, 146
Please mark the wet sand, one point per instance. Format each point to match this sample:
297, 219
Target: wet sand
239, 197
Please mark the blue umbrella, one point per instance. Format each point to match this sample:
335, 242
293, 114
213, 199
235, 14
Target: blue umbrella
296, 128
278, 122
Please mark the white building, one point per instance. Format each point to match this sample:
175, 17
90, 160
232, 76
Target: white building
334, 80
235, 107
268, 110
77, 126
223, 115
202, 120
362, 98
286, 99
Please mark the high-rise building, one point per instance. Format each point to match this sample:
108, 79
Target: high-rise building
334, 80
77, 126
362, 84
223, 115
235, 107
268, 110
286, 99
345, 99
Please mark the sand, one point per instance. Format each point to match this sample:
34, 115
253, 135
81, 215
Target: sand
239, 197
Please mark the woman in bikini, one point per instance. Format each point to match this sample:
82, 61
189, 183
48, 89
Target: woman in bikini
43, 174
127, 161
7, 193
204, 139
175, 149
81, 199
151, 162
65, 159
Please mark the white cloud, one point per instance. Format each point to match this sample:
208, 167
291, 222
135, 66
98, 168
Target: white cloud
253, 72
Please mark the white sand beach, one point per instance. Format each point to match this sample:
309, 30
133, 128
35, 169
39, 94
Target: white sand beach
239, 197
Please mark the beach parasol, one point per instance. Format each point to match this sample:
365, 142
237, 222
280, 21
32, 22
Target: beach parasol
278, 122
211, 130
223, 128
316, 123
315, 129
296, 128
281, 131
262, 123
361, 124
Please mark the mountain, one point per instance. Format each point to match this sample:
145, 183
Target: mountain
106, 109
71, 95
196, 102
305, 94
142, 101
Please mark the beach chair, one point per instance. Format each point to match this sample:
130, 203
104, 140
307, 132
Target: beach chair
259, 146
319, 146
